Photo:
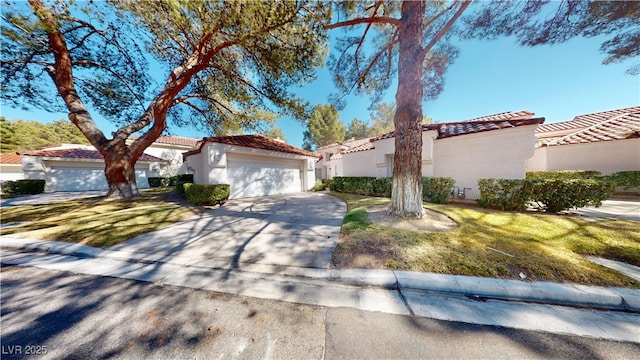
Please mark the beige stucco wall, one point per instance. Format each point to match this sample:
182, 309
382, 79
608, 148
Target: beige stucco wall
360, 163
11, 172
606, 156
329, 167
491, 154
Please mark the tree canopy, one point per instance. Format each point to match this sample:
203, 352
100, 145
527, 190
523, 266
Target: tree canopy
324, 127
222, 64
357, 129
25, 135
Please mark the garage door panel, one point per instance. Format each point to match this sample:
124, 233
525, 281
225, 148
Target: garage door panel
249, 179
86, 179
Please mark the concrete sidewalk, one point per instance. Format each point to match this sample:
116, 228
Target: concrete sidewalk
620, 299
508, 303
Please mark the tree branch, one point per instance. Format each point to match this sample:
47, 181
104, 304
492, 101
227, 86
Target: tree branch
465, 4
369, 20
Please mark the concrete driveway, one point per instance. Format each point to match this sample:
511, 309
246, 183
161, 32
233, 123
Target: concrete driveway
48, 198
619, 209
299, 229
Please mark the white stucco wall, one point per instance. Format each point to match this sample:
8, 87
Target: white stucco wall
491, 154
11, 172
360, 163
329, 167
606, 156
173, 154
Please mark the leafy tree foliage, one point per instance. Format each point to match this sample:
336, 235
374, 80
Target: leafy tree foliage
275, 133
382, 118
412, 41
222, 63
357, 129
324, 127
25, 135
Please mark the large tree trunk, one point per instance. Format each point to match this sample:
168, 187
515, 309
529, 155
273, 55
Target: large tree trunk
406, 193
120, 172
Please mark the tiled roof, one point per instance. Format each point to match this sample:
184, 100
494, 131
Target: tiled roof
83, 154
481, 124
610, 125
255, 141
368, 145
10, 158
508, 115
174, 140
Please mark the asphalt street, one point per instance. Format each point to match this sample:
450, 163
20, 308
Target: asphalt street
64, 315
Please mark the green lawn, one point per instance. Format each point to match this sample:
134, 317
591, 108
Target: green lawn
94, 221
492, 243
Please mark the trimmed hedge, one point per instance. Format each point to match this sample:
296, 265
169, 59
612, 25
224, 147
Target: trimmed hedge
207, 195
626, 179
551, 195
27, 186
563, 174
435, 190
170, 181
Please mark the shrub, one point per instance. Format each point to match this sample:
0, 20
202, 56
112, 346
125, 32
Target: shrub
626, 179
180, 189
552, 195
214, 194
437, 189
28, 186
434, 189
563, 174
155, 181
319, 185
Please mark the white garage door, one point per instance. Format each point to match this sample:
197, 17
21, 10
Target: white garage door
85, 179
251, 178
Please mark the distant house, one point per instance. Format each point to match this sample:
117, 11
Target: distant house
253, 165
73, 167
171, 148
493, 146
330, 162
10, 166
607, 141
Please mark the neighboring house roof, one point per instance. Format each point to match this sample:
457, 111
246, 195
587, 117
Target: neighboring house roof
174, 140
10, 158
254, 141
481, 124
83, 154
609, 125
346, 147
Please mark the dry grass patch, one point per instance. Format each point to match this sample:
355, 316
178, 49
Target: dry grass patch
492, 243
95, 222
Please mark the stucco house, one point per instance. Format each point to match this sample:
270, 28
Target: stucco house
607, 141
73, 167
493, 146
330, 162
254, 165
10, 167
171, 148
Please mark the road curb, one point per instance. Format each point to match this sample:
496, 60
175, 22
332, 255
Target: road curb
619, 299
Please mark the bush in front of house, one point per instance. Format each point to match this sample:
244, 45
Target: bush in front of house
27, 186
551, 195
207, 195
170, 181
318, 186
437, 189
563, 174
626, 179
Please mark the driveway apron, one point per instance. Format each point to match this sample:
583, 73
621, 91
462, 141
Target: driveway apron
299, 229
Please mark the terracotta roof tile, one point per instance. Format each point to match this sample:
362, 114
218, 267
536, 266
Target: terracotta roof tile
10, 158
362, 147
605, 126
174, 140
254, 141
585, 120
481, 124
82, 154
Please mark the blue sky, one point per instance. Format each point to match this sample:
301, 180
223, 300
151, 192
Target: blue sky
556, 82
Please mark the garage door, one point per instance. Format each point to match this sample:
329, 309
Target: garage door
251, 178
85, 179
